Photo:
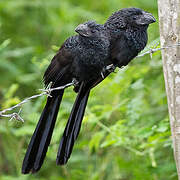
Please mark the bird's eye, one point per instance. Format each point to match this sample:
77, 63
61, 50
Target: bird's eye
134, 17
93, 30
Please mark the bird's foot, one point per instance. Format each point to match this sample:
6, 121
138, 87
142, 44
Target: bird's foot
76, 84
110, 68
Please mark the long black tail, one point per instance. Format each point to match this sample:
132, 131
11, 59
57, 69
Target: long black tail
40, 140
73, 125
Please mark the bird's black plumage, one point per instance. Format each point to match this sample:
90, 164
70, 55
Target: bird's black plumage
128, 32
81, 57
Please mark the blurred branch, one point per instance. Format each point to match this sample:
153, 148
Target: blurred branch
45, 92
108, 130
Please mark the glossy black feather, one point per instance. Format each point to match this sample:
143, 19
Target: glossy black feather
42, 134
73, 125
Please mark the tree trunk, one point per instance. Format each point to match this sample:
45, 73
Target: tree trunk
169, 22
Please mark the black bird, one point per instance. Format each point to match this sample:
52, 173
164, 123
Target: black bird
127, 30
81, 57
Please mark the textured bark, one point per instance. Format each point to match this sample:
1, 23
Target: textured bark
169, 22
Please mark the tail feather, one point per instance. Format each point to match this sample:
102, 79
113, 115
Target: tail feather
72, 129
46, 138
40, 140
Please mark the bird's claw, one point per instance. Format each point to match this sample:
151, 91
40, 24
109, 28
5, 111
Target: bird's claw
110, 68
75, 82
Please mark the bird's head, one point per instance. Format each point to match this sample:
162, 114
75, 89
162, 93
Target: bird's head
90, 29
129, 17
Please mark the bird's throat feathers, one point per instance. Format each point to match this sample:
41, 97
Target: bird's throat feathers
137, 38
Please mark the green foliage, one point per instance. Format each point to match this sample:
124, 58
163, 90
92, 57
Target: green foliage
125, 133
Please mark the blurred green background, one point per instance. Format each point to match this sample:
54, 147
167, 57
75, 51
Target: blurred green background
125, 133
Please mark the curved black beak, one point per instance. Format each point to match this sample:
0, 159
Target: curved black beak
146, 18
82, 29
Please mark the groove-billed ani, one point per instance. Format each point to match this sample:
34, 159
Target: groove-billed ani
81, 57
127, 29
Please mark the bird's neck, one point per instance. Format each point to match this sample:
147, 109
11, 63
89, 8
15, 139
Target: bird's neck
95, 42
137, 38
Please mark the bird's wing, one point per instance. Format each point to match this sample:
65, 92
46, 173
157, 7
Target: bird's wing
58, 71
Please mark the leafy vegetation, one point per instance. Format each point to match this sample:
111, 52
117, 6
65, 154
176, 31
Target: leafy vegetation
125, 133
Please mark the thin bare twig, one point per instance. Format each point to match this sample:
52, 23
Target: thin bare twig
46, 92
153, 50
